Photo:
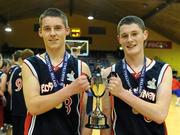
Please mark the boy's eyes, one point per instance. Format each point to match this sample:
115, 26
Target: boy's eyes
46, 28
134, 34
126, 35
57, 28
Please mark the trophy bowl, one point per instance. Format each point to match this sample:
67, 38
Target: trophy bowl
97, 120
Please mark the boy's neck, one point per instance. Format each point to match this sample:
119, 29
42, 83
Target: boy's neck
56, 56
136, 63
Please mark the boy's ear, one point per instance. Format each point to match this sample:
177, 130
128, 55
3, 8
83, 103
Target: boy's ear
146, 33
118, 39
67, 31
40, 32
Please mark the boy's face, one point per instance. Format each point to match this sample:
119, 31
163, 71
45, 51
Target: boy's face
132, 38
53, 32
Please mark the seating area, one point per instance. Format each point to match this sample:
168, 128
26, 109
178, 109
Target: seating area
98, 59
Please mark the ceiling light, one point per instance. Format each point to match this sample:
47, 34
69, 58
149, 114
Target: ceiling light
8, 28
90, 17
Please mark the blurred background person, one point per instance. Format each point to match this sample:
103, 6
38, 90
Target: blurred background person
15, 89
176, 88
3, 80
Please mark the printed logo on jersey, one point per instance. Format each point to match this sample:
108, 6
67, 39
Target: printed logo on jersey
68, 103
70, 76
135, 90
18, 84
145, 94
151, 84
148, 95
46, 87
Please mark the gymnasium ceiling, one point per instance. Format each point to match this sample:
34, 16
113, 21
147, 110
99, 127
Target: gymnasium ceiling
163, 16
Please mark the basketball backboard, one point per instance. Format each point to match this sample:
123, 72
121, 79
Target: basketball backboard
81, 47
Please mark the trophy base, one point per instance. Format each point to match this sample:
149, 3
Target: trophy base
97, 122
97, 126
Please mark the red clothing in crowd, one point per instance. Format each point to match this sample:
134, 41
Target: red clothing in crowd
175, 84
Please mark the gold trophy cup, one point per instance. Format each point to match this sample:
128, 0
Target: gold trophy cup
97, 120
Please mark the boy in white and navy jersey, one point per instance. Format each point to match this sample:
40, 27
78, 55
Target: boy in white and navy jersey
141, 90
53, 83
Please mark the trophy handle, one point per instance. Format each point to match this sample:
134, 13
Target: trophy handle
89, 91
112, 74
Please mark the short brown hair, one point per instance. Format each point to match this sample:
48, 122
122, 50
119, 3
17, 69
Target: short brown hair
54, 12
130, 20
16, 55
26, 53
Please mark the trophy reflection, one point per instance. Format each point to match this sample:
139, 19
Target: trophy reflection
97, 120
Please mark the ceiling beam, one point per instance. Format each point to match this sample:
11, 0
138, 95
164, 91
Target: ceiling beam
158, 9
3, 20
71, 7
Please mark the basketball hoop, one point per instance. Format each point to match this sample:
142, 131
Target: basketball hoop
78, 47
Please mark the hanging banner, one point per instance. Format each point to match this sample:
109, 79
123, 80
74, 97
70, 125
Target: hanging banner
158, 44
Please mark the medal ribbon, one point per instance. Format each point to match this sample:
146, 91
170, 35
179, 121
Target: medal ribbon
57, 84
141, 81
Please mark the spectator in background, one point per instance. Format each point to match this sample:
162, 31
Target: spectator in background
7, 113
26, 53
6, 65
3, 80
16, 62
15, 88
176, 87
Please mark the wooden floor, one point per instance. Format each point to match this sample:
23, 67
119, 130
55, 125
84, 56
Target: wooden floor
172, 121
